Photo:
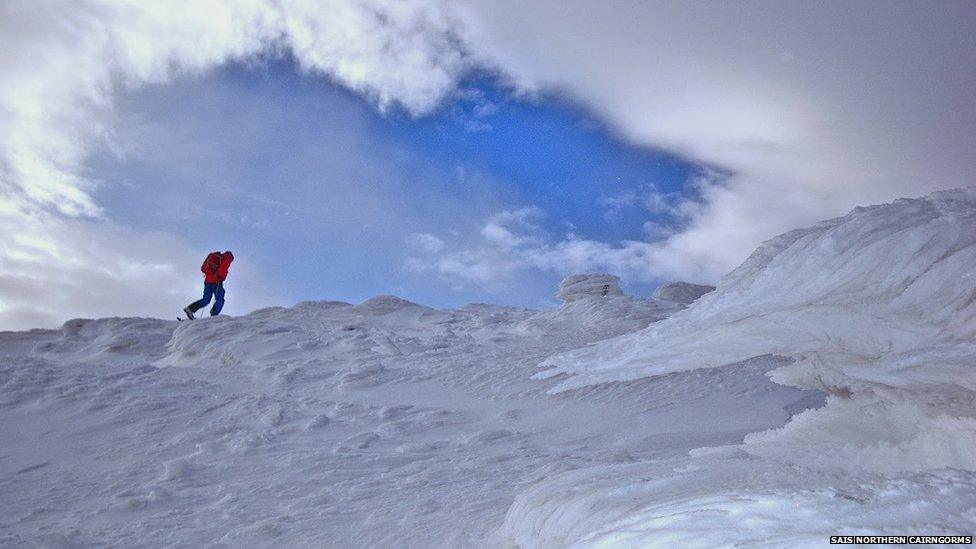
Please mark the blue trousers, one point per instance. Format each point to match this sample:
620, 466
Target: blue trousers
209, 291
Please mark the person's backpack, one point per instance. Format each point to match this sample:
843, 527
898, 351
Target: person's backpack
213, 263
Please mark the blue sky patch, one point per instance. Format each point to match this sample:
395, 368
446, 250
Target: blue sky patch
323, 192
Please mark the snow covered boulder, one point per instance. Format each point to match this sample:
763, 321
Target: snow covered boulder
681, 292
588, 285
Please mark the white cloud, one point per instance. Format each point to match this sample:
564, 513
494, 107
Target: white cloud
64, 61
54, 267
426, 242
512, 244
481, 109
812, 108
646, 197
500, 231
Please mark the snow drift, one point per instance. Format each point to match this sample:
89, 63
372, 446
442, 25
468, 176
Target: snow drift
876, 309
380, 424
853, 298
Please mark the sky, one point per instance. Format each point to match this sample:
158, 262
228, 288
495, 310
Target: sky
450, 152
341, 202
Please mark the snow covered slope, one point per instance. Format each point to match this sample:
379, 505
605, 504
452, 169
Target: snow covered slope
382, 424
611, 421
878, 309
853, 293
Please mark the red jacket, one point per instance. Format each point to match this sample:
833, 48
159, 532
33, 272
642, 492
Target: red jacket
215, 267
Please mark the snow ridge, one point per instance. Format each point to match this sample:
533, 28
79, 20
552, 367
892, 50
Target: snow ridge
877, 309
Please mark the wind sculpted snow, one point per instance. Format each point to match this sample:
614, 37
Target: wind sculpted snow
877, 309
382, 424
882, 281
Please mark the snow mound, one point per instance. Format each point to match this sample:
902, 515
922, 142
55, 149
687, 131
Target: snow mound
681, 292
588, 285
884, 295
730, 499
103, 340
877, 309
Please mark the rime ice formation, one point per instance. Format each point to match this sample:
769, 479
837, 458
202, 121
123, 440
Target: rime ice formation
578, 286
681, 292
878, 310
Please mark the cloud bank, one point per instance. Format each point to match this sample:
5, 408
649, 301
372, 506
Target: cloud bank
813, 108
